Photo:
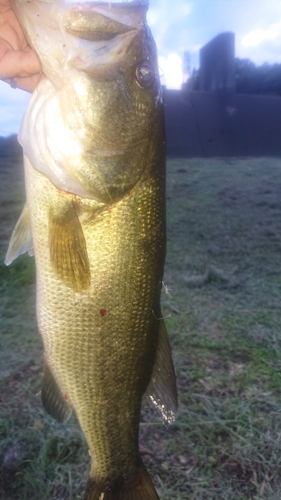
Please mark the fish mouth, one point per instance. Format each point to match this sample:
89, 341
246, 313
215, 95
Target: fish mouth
89, 43
100, 21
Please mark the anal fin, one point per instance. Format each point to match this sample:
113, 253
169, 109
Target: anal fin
21, 239
52, 398
162, 389
68, 250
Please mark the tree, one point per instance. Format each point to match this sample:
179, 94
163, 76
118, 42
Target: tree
252, 79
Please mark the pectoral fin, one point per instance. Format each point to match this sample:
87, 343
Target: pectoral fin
162, 389
21, 239
54, 402
68, 250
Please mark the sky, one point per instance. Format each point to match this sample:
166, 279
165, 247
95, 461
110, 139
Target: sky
182, 25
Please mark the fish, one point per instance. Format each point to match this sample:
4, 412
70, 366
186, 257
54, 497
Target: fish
94, 159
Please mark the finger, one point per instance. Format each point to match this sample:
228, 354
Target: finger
29, 83
19, 64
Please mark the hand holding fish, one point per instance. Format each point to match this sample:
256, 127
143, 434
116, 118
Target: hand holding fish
17, 59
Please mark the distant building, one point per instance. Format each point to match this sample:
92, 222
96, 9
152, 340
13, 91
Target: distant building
206, 118
217, 63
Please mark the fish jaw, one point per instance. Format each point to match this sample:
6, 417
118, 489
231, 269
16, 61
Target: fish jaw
90, 120
52, 28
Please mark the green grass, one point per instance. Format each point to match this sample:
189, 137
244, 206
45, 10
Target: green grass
222, 309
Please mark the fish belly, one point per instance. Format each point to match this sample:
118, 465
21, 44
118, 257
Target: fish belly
100, 342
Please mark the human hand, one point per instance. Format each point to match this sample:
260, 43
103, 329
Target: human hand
19, 64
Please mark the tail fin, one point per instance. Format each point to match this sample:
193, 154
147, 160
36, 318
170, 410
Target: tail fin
138, 488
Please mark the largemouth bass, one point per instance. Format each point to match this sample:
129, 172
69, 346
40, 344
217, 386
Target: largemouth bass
94, 154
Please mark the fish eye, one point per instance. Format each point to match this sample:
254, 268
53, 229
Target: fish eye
145, 75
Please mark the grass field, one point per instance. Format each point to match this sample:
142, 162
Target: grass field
221, 300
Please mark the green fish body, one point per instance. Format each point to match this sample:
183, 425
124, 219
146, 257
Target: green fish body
93, 139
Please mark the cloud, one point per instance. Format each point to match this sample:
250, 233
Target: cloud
179, 26
256, 37
169, 22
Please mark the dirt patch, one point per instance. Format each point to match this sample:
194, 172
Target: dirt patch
215, 365
239, 357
